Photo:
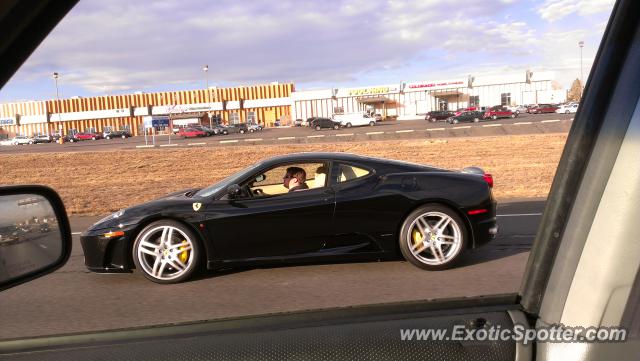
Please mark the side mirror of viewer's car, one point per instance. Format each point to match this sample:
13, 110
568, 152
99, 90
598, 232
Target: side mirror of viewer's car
35, 237
233, 191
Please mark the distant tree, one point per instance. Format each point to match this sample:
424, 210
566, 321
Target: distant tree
575, 93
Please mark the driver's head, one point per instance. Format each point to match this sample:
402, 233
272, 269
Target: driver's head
294, 172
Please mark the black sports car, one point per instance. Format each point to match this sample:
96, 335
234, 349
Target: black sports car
343, 207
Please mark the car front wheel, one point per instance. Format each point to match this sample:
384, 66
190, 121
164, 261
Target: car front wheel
433, 237
167, 252
495, 117
348, 125
318, 127
475, 120
372, 123
336, 127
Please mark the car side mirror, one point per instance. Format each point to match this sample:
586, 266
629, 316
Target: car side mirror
35, 237
233, 191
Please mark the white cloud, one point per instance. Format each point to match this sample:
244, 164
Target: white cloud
553, 10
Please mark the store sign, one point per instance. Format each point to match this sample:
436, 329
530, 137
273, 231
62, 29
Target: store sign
186, 108
433, 85
93, 114
373, 90
33, 119
7, 121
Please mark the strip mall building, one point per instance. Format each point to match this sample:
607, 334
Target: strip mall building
265, 104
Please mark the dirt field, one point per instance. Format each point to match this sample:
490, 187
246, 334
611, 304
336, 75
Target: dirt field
95, 183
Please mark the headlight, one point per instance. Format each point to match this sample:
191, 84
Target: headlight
115, 215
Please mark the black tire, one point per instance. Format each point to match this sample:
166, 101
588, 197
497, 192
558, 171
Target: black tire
336, 127
372, 123
107, 137
93, 138
124, 136
71, 140
318, 127
566, 112
241, 131
495, 117
513, 115
475, 120
196, 255
405, 237
348, 126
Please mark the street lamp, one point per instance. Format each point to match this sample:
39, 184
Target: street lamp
205, 69
55, 78
581, 45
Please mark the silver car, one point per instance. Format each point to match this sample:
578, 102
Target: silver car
22, 139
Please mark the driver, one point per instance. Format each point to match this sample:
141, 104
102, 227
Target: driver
295, 179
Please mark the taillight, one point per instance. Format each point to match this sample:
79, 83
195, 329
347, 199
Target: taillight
489, 179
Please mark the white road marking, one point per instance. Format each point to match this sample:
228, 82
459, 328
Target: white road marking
145, 146
315, 136
286, 138
491, 125
76, 232
432, 129
372, 133
519, 215
229, 141
521, 123
463, 127
344, 135
253, 139
551, 121
169, 145
404, 131
201, 143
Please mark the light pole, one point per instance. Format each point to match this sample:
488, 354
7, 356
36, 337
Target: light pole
205, 69
581, 45
55, 78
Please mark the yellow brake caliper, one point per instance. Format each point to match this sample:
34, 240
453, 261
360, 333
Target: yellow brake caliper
184, 255
416, 236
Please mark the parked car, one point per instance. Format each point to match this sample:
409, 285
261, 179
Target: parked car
22, 139
87, 136
110, 134
472, 116
517, 108
438, 115
238, 128
220, 129
42, 138
568, 108
208, 131
543, 108
354, 119
499, 111
253, 127
189, 132
324, 123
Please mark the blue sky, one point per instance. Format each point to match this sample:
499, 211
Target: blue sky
121, 46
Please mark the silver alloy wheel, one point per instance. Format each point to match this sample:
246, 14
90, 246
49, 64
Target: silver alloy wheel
159, 252
441, 238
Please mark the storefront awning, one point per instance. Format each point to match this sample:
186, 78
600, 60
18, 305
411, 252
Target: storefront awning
375, 100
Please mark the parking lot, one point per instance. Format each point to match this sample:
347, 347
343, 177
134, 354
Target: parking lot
404, 129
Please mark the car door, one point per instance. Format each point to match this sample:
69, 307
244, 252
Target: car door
285, 225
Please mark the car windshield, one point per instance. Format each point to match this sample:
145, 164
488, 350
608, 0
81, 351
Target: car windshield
149, 98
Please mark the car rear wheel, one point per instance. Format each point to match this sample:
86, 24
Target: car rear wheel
433, 237
348, 125
71, 140
372, 123
107, 137
124, 136
513, 115
336, 127
475, 120
167, 252
93, 138
318, 127
495, 117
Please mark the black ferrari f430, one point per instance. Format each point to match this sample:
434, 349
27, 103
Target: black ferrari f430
300, 208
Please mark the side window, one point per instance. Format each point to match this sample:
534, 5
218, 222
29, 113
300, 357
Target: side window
348, 172
280, 179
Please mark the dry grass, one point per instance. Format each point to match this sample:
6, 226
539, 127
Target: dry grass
94, 183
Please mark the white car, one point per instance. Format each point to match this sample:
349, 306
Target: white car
518, 109
566, 109
354, 119
22, 139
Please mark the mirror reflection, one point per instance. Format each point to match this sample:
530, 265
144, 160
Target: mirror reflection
30, 239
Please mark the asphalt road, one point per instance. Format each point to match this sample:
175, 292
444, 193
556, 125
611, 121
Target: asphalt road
74, 300
406, 129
